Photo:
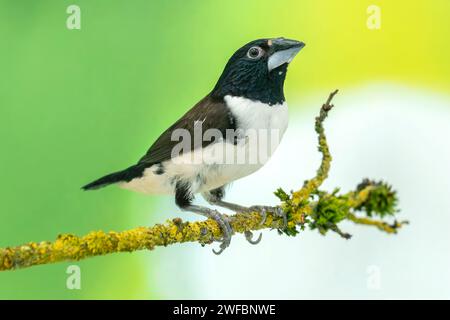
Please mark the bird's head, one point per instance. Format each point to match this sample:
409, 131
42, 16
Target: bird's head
257, 70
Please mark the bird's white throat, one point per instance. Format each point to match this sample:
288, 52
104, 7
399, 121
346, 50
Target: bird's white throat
251, 114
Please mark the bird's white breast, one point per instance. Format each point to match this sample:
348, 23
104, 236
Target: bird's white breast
268, 122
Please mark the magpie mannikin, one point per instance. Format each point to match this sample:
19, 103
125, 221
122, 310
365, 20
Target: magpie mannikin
248, 97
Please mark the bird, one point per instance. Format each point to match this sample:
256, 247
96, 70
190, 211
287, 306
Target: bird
246, 103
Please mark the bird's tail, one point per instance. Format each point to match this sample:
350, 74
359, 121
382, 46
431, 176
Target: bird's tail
121, 176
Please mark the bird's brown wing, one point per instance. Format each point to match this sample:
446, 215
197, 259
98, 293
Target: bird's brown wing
211, 112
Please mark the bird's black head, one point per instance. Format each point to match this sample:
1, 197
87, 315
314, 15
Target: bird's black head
257, 70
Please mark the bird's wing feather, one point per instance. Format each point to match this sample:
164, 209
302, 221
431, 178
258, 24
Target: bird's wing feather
213, 114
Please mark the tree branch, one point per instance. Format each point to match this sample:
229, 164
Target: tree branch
306, 207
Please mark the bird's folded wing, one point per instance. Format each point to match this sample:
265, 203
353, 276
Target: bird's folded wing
212, 113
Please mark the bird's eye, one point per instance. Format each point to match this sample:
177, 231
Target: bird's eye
254, 52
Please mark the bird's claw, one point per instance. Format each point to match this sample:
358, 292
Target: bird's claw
277, 211
249, 237
222, 247
226, 230
262, 210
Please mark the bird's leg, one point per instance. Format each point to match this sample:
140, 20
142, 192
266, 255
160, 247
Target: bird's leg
229, 205
183, 198
238, 208
215, 196
221, 219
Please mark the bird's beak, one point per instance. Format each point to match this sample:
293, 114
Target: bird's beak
282, 51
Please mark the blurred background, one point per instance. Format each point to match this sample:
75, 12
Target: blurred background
77, 104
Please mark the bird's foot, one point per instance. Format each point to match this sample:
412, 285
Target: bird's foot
249, 237
227, 231
277, 211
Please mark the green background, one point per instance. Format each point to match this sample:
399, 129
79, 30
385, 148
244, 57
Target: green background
77, 104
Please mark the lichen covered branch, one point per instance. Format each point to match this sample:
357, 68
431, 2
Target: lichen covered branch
369, 204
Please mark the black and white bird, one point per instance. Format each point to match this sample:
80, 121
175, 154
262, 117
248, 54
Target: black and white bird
248, 98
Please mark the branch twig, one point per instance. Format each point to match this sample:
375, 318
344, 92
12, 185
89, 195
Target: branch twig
308, 206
